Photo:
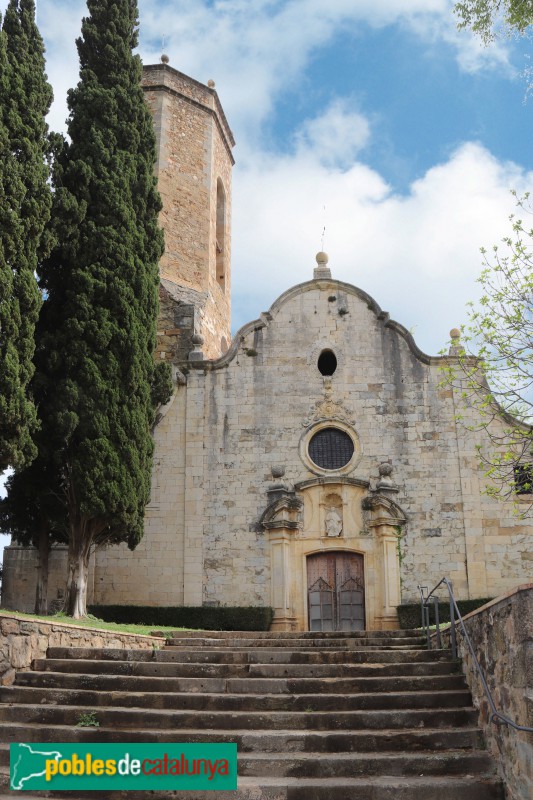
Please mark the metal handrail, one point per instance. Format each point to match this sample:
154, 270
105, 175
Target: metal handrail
497, 718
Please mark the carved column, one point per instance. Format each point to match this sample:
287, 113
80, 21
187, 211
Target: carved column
280, 520
386, 519
280, 579
387, 539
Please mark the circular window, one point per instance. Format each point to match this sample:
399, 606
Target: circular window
331, 448
327, 362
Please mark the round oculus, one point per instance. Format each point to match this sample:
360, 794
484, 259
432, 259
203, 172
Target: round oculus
331, 448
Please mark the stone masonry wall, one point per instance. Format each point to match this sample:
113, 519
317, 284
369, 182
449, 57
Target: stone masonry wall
256, 410
250, 411
194, 146
233, 420
20, 575
152, 574
502, 636
176, 324
23, 640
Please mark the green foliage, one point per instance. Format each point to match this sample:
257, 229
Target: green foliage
25, 200
495, 385
410, 616
491, 18
161, 384
31, 504
98, 323
87, 720
219, 618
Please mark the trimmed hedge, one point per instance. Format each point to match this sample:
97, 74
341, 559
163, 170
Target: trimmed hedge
410, 616
209, 618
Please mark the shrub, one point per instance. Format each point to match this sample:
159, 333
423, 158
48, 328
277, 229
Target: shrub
211, 618
410, 617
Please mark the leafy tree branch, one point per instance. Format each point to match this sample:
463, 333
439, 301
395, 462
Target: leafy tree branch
492, 368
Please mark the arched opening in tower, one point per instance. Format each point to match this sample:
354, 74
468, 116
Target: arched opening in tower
221, 236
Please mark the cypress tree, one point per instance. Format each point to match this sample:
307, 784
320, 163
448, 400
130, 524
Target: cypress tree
25, 201
98, 322
33, 514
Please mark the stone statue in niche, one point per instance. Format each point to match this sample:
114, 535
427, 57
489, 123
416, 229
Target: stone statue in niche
333, 522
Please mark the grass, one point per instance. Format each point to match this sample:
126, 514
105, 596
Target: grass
442, 625
93, 622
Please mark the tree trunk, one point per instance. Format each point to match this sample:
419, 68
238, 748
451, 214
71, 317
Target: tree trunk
79, 552
41, 594
76, 593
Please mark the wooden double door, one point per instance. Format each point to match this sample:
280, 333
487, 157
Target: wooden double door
336, 592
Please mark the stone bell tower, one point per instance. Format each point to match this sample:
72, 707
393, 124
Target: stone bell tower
193, 168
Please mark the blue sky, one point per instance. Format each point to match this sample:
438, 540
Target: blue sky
378, 120
422, 104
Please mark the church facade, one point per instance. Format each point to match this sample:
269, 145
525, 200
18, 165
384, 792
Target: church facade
314, 463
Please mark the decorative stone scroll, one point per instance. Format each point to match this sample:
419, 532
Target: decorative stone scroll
327, 408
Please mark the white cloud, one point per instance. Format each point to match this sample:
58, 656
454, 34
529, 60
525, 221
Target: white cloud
255, 51
417, 254
336, 136
407, 250
471, 54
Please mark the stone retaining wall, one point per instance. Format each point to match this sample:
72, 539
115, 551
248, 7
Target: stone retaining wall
502, 635
23, 640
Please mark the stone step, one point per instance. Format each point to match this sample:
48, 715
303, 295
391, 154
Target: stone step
236, 702
365, 716
283, 788
337, 765
377, 681
331, 765
198, 670
357, 655
409, 740
273, 635
216, 656
294, 644
229, 720
220, 656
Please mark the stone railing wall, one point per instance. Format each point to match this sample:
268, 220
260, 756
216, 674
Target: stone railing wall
23, 640
502, 636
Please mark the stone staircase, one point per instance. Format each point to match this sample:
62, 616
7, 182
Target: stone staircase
316, 716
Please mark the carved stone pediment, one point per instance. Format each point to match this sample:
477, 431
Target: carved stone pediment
381, 510
283, 512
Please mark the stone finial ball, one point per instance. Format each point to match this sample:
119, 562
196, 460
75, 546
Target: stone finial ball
385, 469
197, 339
322, 258
278, 471
455, 333
211, 84
164, 59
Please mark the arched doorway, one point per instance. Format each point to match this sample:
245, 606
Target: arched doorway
336, 591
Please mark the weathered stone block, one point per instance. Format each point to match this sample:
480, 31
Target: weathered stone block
8, 625
7, 678
21, 653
